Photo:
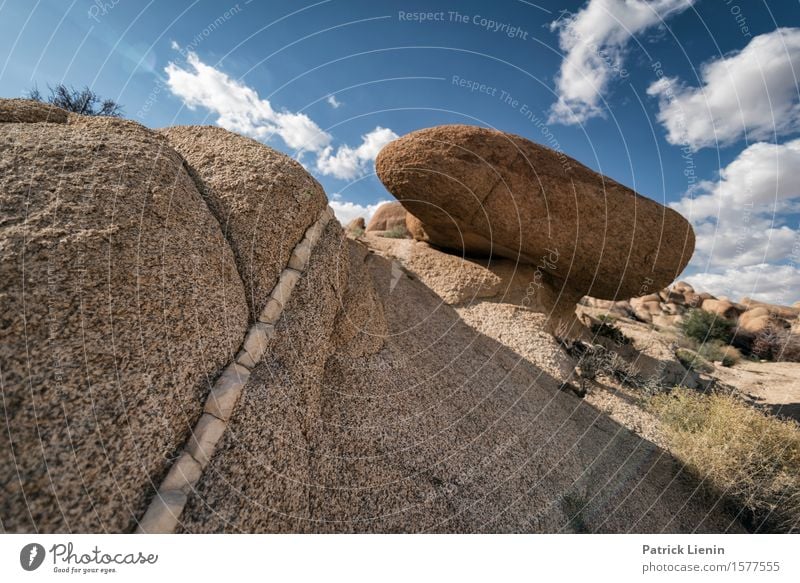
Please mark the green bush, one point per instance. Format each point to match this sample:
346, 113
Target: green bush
693, 361
707, 327
749, 458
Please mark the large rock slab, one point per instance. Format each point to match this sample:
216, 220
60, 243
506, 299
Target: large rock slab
483, 192
263, 199
120, 302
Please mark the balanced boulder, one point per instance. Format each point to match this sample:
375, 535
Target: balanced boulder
483, 192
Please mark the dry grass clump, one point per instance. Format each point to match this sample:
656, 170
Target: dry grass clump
720, 352
693, 360
396, 233
750, 458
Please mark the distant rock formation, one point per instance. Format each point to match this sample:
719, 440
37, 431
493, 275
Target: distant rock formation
390, 217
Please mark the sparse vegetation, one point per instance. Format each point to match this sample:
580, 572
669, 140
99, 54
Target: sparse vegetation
719, 352
706, 327
749, 458
693, 361
395, 233
777, 344
608, 330
83, 101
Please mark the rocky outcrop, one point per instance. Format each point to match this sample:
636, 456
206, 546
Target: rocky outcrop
141, 387
121, 302
28, 111
263, 199
390, 217
482, 192
356, 227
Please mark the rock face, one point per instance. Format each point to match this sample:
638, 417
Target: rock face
391, 217
373, 406
484, 192
121, 301
465, 435
263, 199
27, 111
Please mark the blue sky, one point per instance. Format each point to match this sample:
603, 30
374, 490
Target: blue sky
693, 103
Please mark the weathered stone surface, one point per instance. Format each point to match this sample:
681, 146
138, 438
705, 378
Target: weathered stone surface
300, 255
483, 192
183, 474
271, 312
120, 299
443, 428
286, 283
205, 436
226, 391
28, 111
390, 216
263, 199
257, 340
162, 516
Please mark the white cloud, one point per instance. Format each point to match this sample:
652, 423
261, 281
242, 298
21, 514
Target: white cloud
753, 91
762, 174
348, 163
743, 243
333, 102
594, 41
778, 284
347, 211
240, 109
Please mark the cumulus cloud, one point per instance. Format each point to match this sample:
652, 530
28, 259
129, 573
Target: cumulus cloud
776, 284
347, 162
751, 92
594, 41
240, 109
347, 211
740, 223
333, 102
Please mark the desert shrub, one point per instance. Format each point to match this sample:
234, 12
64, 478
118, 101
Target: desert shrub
608, 330
718, 351
83, 101
693, 361
749, 458
396, 233
356, 232
707, 327
777, 344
